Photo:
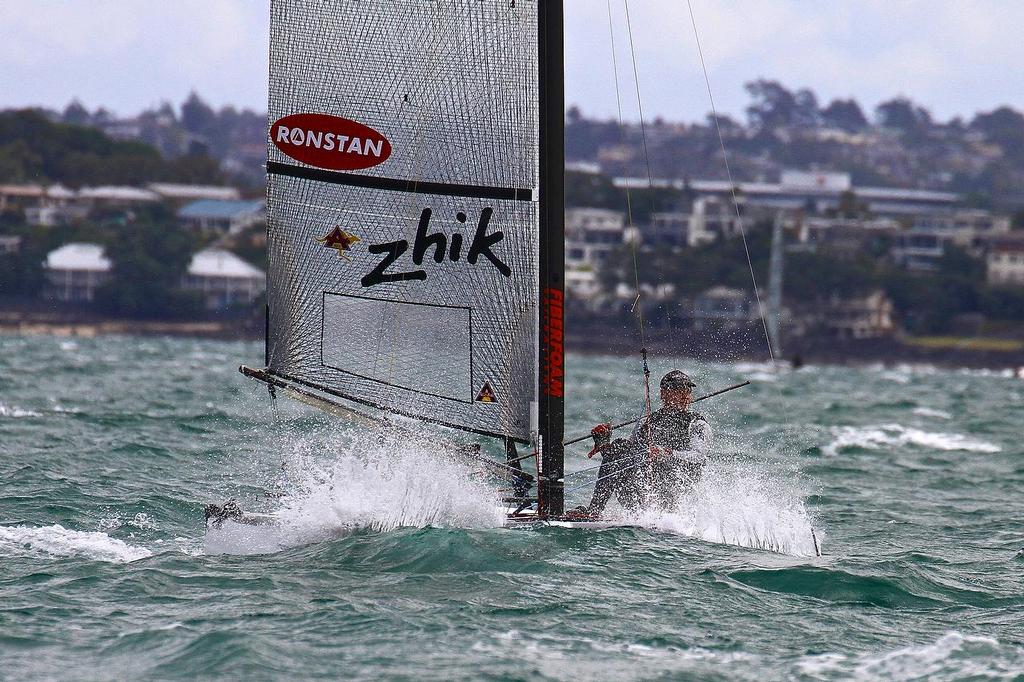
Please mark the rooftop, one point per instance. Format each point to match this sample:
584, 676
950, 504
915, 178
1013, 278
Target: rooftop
217, 208
170, 190
221, 263
111, 193
78, 256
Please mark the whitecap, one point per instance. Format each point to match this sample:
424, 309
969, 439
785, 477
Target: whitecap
884, 435
59, 541
16, 412
931, 412
952, 656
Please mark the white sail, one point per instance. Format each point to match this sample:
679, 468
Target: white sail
402, 207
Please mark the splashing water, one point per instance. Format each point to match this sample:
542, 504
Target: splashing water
742, 504
380, 485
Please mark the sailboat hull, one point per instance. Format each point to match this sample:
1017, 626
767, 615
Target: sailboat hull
254, 533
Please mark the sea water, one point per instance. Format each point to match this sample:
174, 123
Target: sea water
392, 562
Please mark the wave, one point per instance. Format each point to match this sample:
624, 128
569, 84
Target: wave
16, 412
954, 656
59, 541
888, 435
931, 412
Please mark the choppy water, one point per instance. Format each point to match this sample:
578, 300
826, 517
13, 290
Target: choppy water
912, 478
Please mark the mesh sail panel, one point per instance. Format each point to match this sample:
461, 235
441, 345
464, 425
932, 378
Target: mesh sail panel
403, 260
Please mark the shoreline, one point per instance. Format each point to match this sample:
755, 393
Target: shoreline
591, 340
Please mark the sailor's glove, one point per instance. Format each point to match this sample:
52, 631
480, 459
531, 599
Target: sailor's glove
602, 435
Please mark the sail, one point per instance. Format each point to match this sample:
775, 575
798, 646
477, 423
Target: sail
403, 206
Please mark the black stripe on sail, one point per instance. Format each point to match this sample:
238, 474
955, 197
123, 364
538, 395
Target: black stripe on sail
398, 185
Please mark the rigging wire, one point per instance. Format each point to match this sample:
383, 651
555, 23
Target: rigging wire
629, 204
732, 184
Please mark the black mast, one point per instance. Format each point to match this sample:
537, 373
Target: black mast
550, 389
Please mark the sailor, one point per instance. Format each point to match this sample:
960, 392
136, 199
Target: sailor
663, 457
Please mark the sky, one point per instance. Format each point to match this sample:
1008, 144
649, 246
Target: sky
955, 57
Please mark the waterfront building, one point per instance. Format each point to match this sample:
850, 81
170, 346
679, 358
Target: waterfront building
180, 194
224, 279
722, 307
74, 271
591, 234
817, 192
222, 216
1005, 262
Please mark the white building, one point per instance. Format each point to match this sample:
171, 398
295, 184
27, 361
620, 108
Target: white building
9, 244
112, 195
591, 234
670, 228
75, 271
863, 317
1006, 262
712, 218
722, 307
822, 191
225, 217
173, 192
964, 227
224, 279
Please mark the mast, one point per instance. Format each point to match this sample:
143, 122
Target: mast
775, 264
551, 360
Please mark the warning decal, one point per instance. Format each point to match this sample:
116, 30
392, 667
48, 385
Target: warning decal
486, 394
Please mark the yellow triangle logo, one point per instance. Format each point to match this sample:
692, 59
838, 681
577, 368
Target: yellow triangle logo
486, 394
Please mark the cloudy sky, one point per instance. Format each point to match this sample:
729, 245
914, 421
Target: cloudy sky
954, 56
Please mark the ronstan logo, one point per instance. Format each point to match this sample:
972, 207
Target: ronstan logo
329, 142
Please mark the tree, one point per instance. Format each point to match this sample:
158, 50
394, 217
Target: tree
1003, 126
197, 116
148, 260
844, 114
805, 112
76, 114
773, 105
903, 115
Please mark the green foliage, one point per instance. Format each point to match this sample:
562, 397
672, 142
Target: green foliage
35, 149
149, 258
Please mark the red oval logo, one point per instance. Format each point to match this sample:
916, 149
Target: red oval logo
329, 141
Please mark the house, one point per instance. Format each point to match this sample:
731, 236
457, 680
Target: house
722, 307
670, 228
56, 206
591, 234
224, 279
920, 249
19, 197
845, 236
74, 271
818, 191
863, 317
115, 196
713, 218
220, 215
9, 244
182, 194
1006, 262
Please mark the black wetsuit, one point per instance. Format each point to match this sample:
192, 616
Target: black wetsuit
639, 477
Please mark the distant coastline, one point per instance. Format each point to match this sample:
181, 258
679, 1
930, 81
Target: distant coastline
586, 338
